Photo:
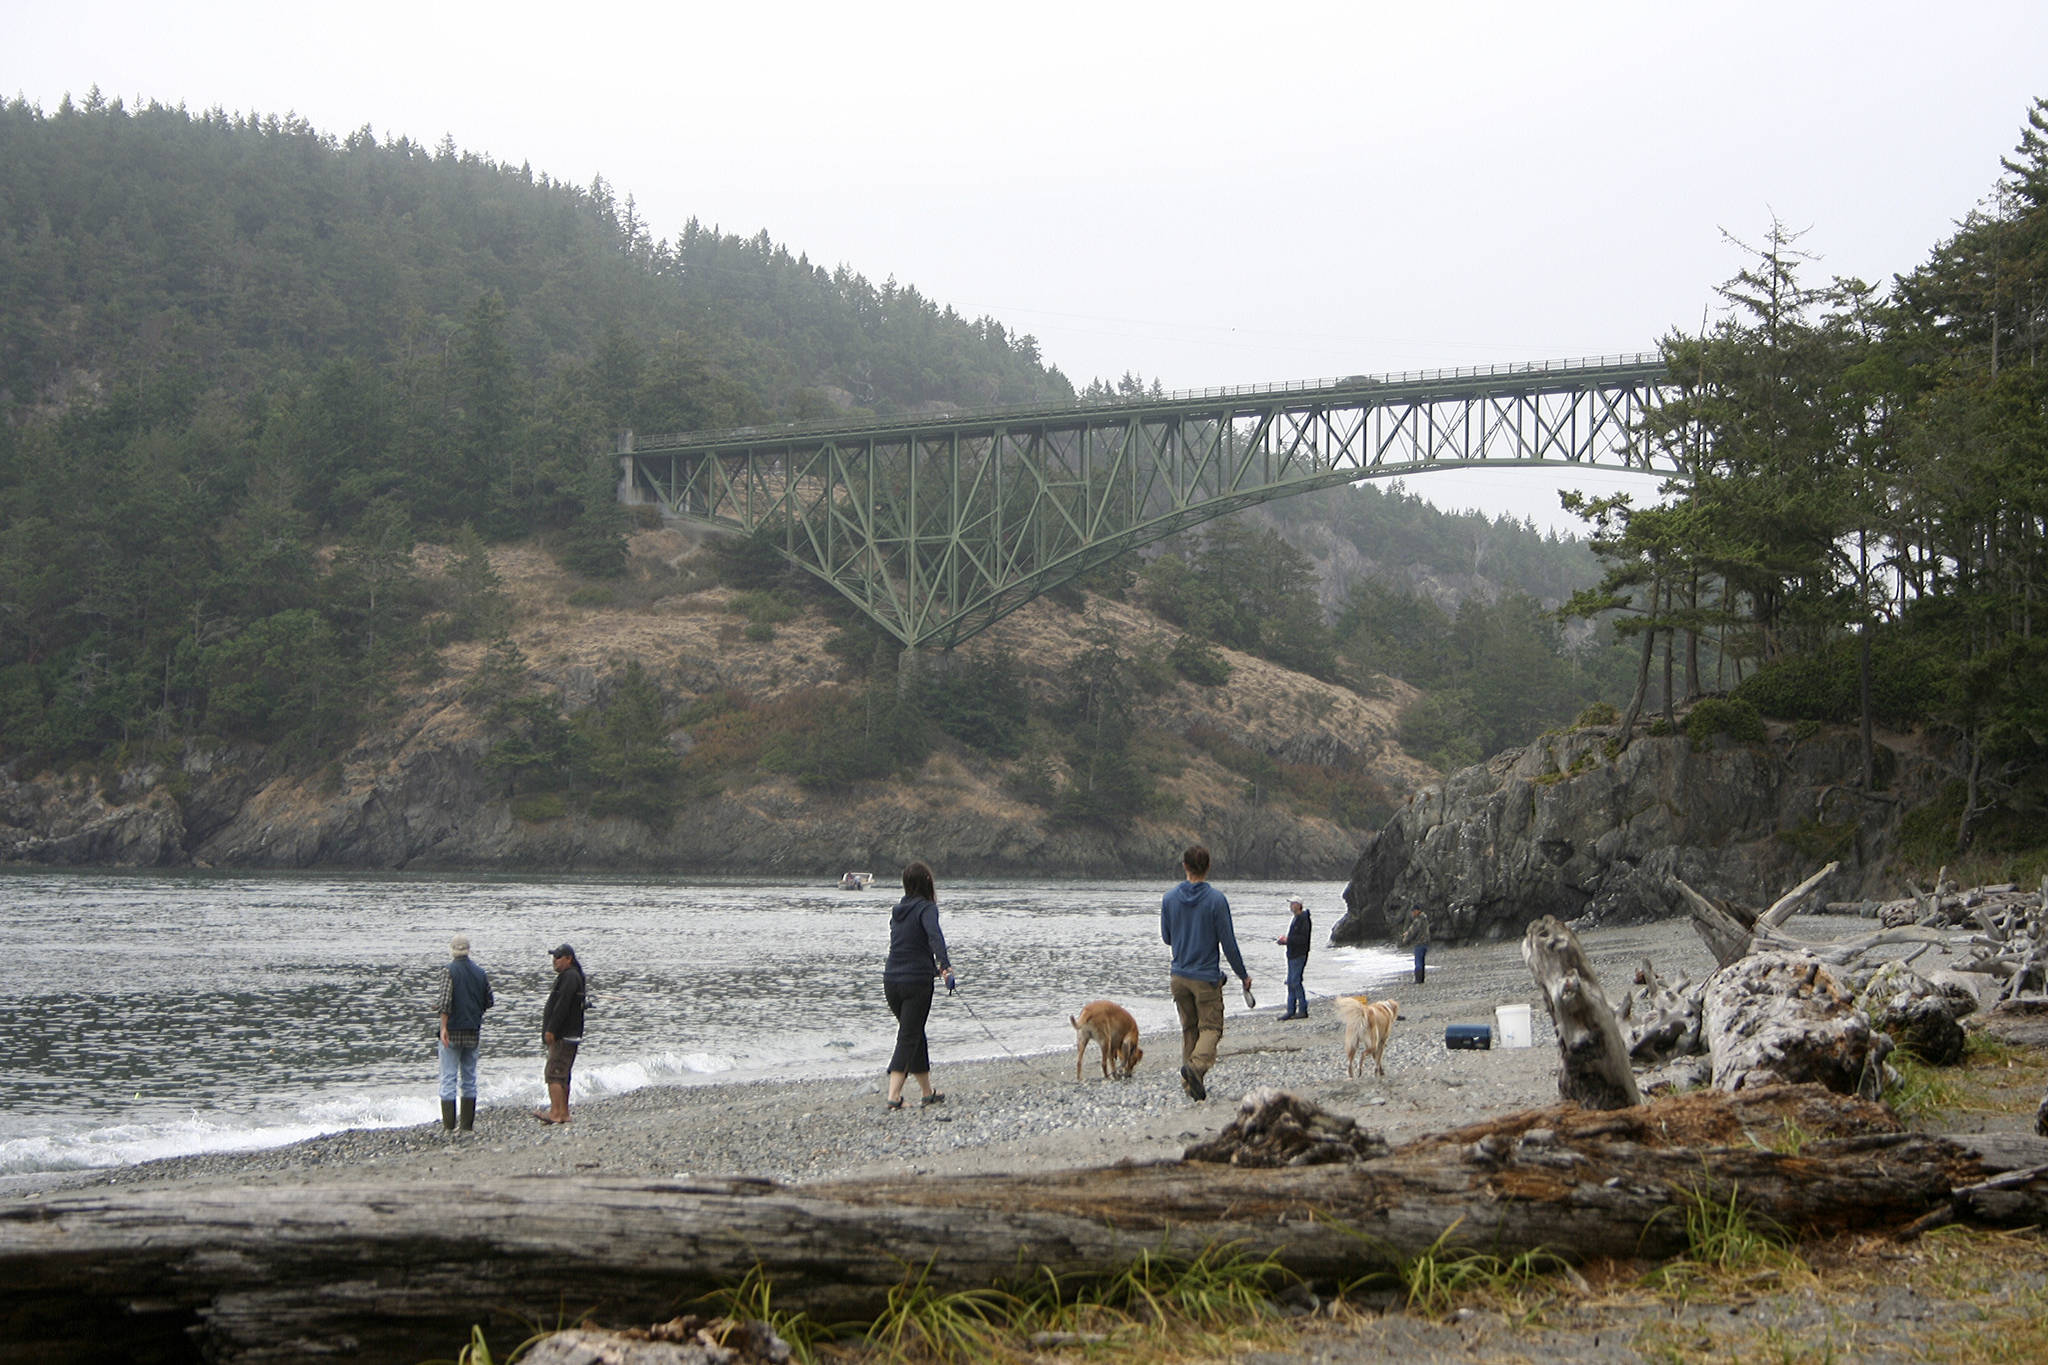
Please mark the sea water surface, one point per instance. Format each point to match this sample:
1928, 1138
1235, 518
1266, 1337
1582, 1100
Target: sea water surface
157, 1014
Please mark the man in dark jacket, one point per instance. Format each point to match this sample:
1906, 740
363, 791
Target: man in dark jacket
1296, 938
465, 995
561, 1028
1416, 939
1194, 918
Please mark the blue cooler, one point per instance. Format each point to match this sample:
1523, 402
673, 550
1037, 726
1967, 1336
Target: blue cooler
1468, 1037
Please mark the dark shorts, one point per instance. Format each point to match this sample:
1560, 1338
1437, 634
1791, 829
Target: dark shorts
561, 1061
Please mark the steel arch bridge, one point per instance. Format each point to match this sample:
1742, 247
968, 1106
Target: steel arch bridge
938, 527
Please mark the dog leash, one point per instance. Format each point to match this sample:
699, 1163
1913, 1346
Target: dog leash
953, 993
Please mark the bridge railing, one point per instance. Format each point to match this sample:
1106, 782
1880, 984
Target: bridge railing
748, 435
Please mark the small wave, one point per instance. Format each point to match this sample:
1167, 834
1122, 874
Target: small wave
666, 1068
1364, 965
128, 1144
372, 1111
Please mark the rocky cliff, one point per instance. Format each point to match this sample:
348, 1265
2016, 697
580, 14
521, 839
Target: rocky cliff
1574, 825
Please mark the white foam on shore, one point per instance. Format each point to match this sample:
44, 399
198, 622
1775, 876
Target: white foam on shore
202, 1131
1363, 967
666, 1068
128, 1144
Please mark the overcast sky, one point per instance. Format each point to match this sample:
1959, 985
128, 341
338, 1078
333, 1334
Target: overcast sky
1203, 194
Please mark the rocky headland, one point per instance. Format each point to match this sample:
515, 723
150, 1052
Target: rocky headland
1582, 827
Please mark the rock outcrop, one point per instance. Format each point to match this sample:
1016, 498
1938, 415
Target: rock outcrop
425, 800
1577, 827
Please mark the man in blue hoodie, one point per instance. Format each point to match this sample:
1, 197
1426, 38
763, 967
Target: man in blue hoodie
1194, 919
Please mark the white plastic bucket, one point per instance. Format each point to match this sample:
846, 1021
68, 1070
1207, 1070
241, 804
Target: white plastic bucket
1511, 1026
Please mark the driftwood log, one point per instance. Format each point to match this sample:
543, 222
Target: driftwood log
1947, 906
1660, 1018
2008, 943
369, 1270
1731, 930
1595, 1070
1775, 1017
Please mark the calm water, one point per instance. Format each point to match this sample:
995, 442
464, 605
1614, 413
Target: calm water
159, 1014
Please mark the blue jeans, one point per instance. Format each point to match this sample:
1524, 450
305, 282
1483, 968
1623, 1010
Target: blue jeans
1297, 997
1421, 955
458, 1064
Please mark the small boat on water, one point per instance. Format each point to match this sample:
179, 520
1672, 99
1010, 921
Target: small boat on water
855, 881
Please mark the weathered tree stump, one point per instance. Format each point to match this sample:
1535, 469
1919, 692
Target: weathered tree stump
1596, 1070
1730, 931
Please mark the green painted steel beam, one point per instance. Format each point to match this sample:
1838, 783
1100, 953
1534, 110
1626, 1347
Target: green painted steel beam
938, 528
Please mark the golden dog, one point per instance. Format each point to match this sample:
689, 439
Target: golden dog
1110, 1027
1367, 1026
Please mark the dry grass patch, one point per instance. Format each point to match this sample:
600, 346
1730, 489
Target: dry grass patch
1995, 1079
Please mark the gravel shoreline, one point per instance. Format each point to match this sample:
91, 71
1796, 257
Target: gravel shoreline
1007, 1114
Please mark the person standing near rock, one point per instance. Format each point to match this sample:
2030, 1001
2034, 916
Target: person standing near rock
1416, 938
561, 1030
465, 995
917, 955
1296, 940
1194, 919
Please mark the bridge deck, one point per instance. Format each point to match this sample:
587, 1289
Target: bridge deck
1372, 390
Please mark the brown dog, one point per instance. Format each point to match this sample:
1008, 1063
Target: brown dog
1110, 1027
1367, 1026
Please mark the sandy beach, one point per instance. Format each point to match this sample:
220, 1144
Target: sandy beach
1007, 1113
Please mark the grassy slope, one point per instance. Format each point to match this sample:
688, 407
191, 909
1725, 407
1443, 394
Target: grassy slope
670, 614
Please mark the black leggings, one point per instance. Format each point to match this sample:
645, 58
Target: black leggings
911, 1003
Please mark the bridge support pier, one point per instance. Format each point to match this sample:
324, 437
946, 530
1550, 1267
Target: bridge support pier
916, 666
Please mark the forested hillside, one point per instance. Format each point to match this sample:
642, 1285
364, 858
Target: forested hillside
277, 409
245, 366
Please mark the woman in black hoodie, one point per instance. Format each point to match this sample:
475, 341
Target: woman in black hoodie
917, 954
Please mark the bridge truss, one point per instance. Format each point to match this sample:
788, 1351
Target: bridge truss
938, 527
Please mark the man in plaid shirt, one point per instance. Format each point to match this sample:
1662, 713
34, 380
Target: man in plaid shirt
465, 995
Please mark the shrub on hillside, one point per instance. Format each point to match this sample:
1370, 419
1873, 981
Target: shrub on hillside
1200, 662
1723, 716
1598, 713
766, 606
1906, 677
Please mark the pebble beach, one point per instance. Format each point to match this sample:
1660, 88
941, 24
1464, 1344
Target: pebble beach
1002, 1113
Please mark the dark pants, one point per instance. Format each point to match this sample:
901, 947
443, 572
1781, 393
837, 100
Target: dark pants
1297, 995
911, 1003
1421, 952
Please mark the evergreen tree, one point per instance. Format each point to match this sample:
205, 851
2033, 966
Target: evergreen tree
633, 770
